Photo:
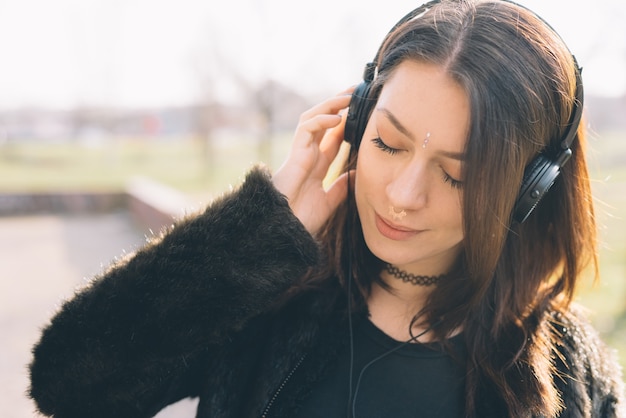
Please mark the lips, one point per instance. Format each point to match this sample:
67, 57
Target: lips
393, 231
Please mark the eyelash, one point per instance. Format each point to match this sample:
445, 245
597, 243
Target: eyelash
455, 184
384, 147
378, 142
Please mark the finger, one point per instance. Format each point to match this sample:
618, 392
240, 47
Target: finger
313, 130
329, 106
321, 123
332, 140
338, 191
349, 90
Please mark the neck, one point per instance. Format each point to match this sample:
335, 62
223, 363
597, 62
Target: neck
408, 288
417, 280
411, 297
392, 309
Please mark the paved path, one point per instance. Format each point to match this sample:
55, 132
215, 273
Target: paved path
42, 260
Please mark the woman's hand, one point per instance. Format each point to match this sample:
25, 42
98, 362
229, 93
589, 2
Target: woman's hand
316, 143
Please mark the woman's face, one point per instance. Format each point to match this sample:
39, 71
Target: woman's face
410, 163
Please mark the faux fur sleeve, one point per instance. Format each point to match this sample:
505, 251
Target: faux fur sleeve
128, 341
590, 377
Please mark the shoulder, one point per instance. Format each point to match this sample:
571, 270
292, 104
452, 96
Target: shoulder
588, 374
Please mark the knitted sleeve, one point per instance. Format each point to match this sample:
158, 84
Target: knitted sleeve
129, 343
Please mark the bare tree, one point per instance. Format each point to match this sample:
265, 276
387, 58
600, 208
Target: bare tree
208, 66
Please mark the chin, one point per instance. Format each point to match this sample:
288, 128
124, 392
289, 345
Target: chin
405, 256
389, 252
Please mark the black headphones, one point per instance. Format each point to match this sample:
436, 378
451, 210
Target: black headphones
539, 175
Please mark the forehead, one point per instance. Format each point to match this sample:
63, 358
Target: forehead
424, 98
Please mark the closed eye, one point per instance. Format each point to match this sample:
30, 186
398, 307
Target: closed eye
384, 147
454, 183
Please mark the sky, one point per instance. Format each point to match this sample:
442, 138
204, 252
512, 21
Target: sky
150, 53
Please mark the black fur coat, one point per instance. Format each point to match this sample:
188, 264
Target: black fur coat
188, 316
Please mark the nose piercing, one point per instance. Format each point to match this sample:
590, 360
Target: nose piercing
397, 216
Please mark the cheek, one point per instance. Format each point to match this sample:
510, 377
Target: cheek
456, 216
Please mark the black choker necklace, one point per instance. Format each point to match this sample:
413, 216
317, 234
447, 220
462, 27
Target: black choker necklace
412, 278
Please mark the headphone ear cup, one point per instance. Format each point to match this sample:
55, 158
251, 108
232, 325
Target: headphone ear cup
539, 176
358, 114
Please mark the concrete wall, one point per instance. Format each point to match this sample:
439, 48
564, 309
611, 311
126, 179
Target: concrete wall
152, 205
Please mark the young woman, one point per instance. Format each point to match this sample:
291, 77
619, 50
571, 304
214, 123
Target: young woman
439, 287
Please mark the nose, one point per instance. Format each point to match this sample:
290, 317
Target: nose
409, 187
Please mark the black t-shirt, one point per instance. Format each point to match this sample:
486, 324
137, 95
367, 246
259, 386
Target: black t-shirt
416, 380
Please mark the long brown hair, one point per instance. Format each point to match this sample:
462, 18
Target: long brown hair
520, 80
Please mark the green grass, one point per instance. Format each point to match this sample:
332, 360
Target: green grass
607, 300
187, 164
49, 167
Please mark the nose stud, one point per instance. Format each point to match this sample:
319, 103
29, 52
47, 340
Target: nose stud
397, 216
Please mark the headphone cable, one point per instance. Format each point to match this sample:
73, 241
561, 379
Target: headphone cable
349, 293
376, 359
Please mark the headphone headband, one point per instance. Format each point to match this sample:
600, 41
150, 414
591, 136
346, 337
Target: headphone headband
369, 73
539, 175
577, 111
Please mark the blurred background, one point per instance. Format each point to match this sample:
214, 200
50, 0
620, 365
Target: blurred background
117, 115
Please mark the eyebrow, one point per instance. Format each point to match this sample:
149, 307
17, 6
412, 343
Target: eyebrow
402, 129
453, 155
396, 123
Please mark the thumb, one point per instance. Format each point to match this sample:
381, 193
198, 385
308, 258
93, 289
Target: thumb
338, 191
